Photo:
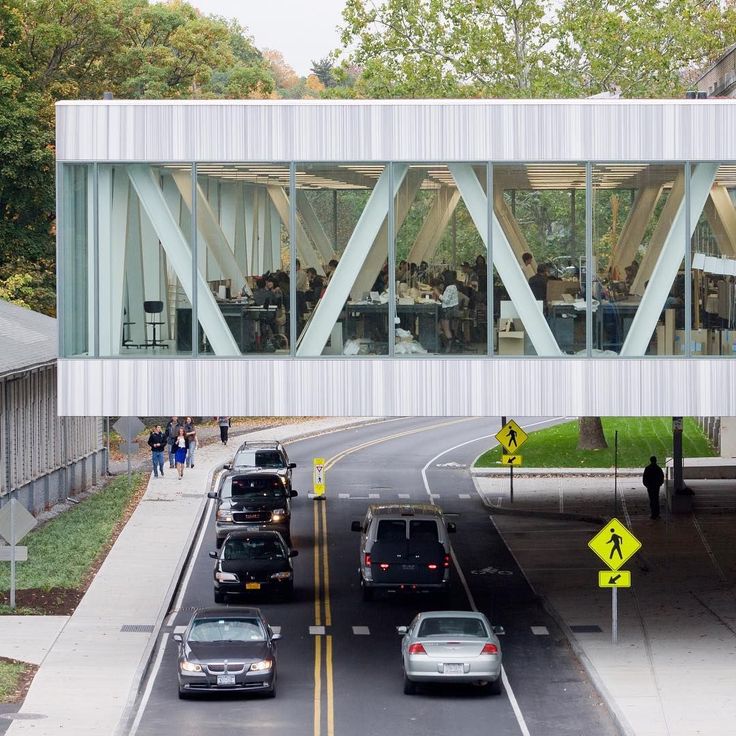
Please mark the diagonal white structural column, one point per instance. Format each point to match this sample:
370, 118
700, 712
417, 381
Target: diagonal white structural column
210, 230
179, 255
505, 261
632, 233
668, 263
434, 225
315, 335
313, 227
721, 216
510, 226
232, 220
306, 251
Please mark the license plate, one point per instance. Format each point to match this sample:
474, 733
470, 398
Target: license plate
251, 528
408, 567
225, 679
252, 586
453, 669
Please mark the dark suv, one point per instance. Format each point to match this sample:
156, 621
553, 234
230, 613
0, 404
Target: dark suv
253, 501
264, 454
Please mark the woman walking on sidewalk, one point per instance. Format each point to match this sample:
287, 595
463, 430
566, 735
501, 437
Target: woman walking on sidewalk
180, 451
224, 424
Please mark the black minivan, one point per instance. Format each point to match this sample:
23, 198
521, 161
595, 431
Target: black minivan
256, 500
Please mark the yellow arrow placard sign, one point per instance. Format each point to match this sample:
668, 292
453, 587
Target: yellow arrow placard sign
614, 579
511, 437
614, 544
511, 459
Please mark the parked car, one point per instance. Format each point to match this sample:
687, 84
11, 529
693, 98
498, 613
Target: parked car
232, 650
264, 454
253, 561
404, 547
451, 647
253, 501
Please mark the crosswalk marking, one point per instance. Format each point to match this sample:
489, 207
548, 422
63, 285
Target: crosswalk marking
316, 630
276, 629
404, 495
374, 495
463, 495
361, 631
401, 496
343, 495
540, 631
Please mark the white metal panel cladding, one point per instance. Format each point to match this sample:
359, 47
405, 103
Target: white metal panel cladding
395, 387
408, 130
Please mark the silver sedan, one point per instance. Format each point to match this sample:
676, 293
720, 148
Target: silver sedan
451, 646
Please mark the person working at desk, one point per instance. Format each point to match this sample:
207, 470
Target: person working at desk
527, 267
538, 284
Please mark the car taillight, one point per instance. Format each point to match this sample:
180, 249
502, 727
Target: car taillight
432, 566
446, 561
489, 649
367, 559
383, 565
416, 648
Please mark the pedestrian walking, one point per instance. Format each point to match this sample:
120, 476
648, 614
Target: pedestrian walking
191, 434
653, 478
157, 441
172, 428
180, 450
224, 424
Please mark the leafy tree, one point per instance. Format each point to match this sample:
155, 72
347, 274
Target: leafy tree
323, 70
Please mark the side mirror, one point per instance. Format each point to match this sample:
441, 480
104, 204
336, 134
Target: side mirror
275, 637
293, 494
212, 494
402, 630
356, 526
451, 528
177, 637
498, 630
294, 553
291, 466
213, 555
228, 466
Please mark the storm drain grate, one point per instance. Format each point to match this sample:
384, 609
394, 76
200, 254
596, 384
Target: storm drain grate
586, 629
137, 628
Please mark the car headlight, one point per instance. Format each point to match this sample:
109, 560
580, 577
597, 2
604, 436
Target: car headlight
187, 666
281, 575
226, 577
224, 515
278, 514
262, 666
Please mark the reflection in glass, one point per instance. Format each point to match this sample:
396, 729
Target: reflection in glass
638, 244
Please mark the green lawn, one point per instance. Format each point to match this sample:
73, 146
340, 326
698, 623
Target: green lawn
61, 552
638, 439
11, 674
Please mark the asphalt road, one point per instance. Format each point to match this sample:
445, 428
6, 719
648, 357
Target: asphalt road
347, 681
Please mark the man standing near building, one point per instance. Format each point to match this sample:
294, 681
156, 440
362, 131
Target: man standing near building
224, 424
157, 442
653, 478
191, 433
172, 429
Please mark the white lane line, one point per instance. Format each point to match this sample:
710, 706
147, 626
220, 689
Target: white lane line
149, 685
190, 567
540, 631
343, 495
708, 549
504, 678
316, 630
361, 631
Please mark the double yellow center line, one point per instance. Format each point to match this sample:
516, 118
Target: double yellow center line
322, 605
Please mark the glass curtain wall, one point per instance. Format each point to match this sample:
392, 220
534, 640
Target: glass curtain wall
342, 270
441, 293
539, 259
76, 252
713, 248
144, 260
243, 258
638, 255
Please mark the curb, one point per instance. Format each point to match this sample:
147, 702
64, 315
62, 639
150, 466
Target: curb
558, 472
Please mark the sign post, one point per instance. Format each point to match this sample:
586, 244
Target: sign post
511, 437
614, 544
319, 485
15, 523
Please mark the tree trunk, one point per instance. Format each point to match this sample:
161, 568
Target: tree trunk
591, 435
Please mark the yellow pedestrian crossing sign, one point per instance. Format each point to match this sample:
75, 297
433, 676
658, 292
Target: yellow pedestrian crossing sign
614, 544
614, 579
318, 476
511, 459
511, 437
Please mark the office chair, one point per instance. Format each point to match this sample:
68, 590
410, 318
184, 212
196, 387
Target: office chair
127, 342
153, 309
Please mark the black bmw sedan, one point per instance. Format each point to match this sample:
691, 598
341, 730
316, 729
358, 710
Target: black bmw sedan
229, 650
253, 561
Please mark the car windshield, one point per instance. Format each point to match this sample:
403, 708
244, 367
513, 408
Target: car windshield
268, 486
254, 549
227, 629
259, 459
451, 626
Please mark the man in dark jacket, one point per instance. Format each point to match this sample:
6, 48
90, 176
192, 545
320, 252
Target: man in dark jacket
157, 443
653, 478
172, 429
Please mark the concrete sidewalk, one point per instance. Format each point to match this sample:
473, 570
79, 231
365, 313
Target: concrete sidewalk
672, 671
91, 670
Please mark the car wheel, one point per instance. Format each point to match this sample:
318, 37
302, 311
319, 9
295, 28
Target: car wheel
495, 687
219, 597
367, 592
272, 692
410, 687
183, 694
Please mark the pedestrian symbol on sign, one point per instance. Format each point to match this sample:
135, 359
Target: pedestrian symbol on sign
318, 478
615, 540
